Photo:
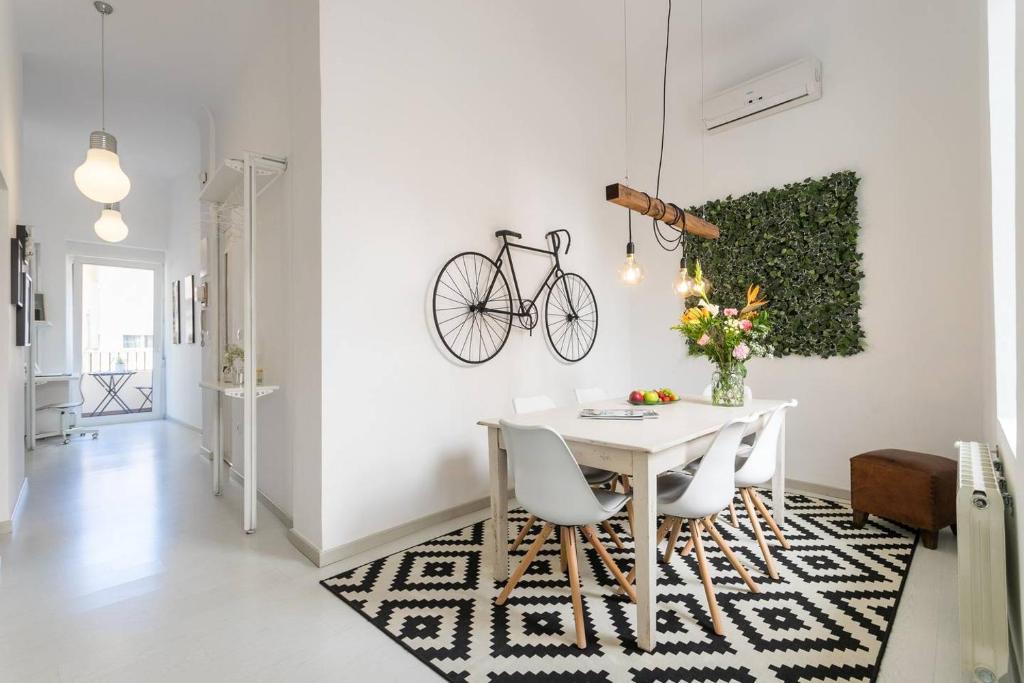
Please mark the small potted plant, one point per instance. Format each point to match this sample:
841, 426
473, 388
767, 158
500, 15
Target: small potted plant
728, 337
234, 355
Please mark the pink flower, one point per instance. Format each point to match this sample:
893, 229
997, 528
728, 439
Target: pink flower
746, 325
741, 351
703, 341
730, 312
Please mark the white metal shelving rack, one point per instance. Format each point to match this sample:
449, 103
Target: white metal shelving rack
253, 174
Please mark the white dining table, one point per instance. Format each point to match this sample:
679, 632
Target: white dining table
642, 449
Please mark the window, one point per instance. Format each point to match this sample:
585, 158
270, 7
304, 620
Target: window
1002, 150
137, 341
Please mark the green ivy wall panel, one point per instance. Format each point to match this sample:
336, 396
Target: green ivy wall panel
800, 243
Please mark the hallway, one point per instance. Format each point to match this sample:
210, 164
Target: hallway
124, 567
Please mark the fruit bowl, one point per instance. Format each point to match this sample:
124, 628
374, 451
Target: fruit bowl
652, 397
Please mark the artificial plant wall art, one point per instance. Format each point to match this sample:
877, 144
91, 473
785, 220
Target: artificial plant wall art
800, 242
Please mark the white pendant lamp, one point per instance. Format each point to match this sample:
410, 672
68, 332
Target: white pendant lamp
100, 177
111, 226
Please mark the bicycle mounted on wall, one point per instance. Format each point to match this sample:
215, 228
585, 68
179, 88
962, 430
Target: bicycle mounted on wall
474, 309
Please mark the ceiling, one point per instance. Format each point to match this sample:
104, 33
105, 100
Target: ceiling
165, 60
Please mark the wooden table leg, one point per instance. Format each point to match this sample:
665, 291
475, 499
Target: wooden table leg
499, 503
645, 519
779, 480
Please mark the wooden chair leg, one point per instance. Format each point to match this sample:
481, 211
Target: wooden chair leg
663, 530
569, 541
705, 578
523, 533
768, 518
749, 504
525, 563
732, 516
626, 488
673, 538
608, 529
709, 524
602, 552
563, 551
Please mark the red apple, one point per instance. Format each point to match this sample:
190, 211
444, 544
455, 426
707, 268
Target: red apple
636, 396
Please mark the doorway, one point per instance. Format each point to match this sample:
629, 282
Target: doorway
118, 345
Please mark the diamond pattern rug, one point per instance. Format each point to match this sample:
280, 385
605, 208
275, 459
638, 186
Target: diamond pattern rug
826, 619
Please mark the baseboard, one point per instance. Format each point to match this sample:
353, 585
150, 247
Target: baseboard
324, 557
7, 526
285, 518
182, 423
817, 489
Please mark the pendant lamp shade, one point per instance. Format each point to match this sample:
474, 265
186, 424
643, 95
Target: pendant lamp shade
100, 177
111, 226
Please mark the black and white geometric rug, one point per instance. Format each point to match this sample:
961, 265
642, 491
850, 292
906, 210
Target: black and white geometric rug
826, 619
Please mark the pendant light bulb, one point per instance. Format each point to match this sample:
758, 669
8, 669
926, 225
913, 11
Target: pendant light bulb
100, 177
111, 226
631, 272
684, 286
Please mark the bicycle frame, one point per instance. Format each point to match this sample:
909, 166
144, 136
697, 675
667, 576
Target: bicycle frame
556, 271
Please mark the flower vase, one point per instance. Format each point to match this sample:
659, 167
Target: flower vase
727, 387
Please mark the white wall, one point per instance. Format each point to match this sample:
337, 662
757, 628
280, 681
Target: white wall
12, 358
273, 108
902, 107
184, 397
443, 122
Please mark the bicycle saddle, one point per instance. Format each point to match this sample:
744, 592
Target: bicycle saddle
508, 233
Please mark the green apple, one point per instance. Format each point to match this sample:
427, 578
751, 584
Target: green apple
651, 397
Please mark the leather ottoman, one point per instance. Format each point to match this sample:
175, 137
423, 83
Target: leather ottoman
916, 489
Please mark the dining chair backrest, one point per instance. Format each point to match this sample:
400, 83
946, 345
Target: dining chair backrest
590, 395
548, 481
531, 404
759, 466
714, 482
747, 393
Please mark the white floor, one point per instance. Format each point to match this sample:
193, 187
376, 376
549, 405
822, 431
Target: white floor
123, 567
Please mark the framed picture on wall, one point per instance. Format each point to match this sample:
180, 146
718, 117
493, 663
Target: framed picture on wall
188, 310
175, 312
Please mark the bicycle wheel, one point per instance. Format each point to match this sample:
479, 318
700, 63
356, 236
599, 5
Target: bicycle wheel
570, 316
472, 323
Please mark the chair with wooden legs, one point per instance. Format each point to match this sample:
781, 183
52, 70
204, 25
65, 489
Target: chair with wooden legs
695, 499
594, 476
551, 487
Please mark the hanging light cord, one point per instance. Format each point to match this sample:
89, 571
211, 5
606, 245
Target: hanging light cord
672, 242
103, 72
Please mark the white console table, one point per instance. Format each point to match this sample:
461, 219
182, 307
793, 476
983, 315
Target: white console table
249, 502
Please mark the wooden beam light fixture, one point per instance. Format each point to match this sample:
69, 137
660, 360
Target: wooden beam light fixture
666, 212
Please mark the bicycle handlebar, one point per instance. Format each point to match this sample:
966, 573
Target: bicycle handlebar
557, 242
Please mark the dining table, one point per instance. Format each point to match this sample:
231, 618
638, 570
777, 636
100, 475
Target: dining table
642, 449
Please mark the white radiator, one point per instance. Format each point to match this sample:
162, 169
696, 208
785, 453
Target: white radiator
981, 565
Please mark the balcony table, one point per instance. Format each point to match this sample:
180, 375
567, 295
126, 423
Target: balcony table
643, 449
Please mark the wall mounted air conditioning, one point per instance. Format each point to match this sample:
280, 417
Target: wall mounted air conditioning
784, 88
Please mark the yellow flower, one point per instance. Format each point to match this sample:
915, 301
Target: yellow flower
695, 314
754, 301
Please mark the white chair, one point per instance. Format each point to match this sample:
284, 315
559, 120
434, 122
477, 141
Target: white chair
757, 468
747, 441
594, 476
551, 487
590, 395
697, 498
69, 414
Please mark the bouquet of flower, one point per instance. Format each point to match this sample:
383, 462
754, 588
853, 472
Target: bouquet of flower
727, 337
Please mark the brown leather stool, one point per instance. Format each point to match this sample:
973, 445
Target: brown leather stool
916, 489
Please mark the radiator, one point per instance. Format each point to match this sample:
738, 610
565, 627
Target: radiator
981, 565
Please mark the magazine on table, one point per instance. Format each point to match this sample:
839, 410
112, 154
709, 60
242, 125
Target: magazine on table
618, 414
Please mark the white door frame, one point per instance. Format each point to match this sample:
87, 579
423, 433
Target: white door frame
159, 364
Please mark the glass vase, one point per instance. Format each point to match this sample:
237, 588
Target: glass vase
727, 385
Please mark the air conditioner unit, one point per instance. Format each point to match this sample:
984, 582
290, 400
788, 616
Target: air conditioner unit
784, 88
